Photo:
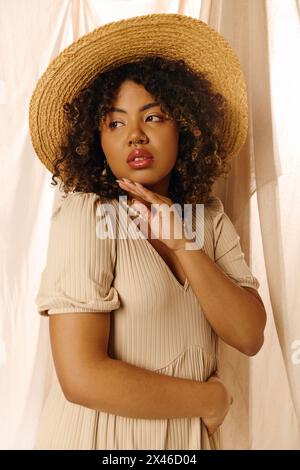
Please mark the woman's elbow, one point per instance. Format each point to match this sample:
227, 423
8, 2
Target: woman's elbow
70, 393
71, 397
76, 384
255, 344
254, 347
78, 394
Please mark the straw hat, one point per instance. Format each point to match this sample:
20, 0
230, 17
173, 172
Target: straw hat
168, 35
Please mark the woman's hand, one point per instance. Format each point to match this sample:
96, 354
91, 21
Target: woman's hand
163, 223
222, 404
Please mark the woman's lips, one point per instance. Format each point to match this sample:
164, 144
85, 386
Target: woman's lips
145, 163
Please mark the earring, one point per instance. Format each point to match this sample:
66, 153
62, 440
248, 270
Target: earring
104, 172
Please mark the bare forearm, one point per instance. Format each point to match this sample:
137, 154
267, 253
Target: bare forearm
234, 313
122, 389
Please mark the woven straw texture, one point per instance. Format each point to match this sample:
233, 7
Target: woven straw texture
167, 35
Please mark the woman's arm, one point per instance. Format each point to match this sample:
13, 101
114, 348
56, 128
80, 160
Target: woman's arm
234, 313
89, 377
122, 389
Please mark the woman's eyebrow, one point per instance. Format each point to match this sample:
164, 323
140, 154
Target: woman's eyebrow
146, 106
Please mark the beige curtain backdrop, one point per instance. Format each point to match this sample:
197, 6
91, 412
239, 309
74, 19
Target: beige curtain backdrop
261, 196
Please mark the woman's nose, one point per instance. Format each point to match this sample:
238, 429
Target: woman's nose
137, 140
137, 135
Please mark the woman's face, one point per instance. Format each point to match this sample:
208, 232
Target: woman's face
149, 128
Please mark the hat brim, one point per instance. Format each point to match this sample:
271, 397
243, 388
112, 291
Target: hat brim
167, 35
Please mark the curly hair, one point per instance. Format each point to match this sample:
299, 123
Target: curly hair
185, 95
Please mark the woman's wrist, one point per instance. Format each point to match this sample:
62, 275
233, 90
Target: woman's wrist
206, 399
219, 397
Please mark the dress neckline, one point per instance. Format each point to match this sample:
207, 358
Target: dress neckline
186, 284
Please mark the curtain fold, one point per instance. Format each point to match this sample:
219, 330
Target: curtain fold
41, 30
262, 192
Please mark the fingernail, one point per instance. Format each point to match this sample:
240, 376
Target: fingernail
127, 181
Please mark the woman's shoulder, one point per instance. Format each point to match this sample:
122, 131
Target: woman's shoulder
85, 215
214, 205
77, 197
74, 203
212, 210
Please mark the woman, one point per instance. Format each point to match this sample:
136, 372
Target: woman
136, 356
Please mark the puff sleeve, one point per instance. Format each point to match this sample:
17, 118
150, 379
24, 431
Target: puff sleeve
80, 265
227, 249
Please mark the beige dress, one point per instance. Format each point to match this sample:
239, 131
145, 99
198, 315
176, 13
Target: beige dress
157, 323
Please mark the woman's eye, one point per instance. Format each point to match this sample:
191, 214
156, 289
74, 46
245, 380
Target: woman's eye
112, 124
155, 116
